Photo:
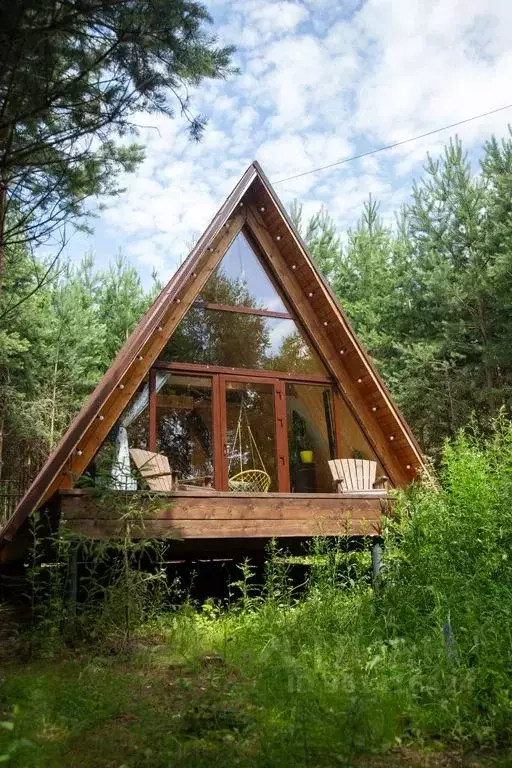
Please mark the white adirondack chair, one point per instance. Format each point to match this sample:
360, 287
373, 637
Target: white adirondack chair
155, 469
357, 476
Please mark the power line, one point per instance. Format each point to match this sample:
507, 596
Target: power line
392, 146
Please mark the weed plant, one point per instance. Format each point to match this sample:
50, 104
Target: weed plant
123, 583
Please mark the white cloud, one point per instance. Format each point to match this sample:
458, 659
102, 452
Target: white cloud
277, 17
320, 80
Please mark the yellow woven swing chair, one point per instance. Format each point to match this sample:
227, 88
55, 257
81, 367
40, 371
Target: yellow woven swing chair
247, 480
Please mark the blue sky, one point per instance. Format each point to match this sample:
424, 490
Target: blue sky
320, 80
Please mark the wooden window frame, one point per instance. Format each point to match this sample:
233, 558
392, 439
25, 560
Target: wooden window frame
152, 410
219, 377
240, 309
208, 370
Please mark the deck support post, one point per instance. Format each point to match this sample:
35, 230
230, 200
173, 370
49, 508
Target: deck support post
73, 578
376, 562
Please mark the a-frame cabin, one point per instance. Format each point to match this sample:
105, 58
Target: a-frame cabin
237, 387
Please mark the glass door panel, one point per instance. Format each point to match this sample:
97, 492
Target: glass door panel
184, 425
311, 438
250, 445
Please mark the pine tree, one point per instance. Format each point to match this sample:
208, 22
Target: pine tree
23, 352
121, 303
76, 339
72, 76
453, 306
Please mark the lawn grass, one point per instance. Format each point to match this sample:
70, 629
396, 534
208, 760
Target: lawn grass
150, 708
160, 705
142, 709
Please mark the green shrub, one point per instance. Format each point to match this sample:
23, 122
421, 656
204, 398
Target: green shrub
342, 669
449, 586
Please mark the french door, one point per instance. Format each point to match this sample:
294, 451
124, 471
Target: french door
252, 451
243, 432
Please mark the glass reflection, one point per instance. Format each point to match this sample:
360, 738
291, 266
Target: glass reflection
311, 439
232, 339
241, 280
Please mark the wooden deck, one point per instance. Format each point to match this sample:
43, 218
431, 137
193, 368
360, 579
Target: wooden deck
188, 515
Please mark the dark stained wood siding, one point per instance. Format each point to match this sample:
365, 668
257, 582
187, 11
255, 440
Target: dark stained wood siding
228, 515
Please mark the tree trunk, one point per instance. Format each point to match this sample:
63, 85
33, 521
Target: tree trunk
488, 366
3, 208
2, 421
54, 401
451, 407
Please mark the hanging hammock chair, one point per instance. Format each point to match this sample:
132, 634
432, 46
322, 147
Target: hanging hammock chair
247, 480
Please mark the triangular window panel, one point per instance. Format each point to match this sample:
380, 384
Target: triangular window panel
241, 280
112, 466
225, 326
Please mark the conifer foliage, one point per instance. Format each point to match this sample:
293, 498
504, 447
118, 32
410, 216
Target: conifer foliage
72, 76
431, 296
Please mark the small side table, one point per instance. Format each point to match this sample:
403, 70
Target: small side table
305, 478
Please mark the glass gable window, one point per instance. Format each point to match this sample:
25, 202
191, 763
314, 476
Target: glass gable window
240, 321
247, 405
232, 339
240, 280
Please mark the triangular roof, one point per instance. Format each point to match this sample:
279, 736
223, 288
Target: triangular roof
253, 206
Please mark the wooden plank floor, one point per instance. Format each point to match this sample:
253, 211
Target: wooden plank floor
191, 515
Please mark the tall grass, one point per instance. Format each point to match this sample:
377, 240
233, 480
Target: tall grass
428, 658
337, 668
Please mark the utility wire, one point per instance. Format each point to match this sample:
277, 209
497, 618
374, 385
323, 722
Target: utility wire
392, 146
